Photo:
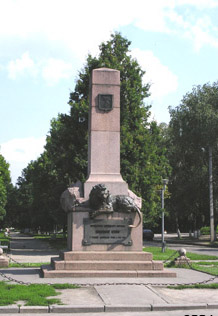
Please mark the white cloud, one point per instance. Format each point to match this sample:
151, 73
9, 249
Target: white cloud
200, 33
51, 70
201, 4
20, 151
199, 28
82, 25
22, 66
163, 80
55, 70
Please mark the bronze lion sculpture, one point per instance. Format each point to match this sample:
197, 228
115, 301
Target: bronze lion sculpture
101, 201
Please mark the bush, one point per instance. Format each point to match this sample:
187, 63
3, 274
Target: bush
206, 230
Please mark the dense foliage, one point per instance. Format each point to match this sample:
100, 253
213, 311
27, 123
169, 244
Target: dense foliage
5, 186
193, 128
143, 161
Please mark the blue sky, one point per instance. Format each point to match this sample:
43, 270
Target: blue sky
44, 43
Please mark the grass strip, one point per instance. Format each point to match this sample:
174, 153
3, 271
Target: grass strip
213, 270
64, 286
213, 286
206, 263
33, 294
159, 255
27, 265
203, 267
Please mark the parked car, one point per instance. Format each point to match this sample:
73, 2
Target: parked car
148, 234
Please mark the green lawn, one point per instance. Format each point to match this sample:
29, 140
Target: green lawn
207, 266
27, 265
4, 240
33, 295
159, 255
207, 263
212, 286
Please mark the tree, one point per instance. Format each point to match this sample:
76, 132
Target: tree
39, 196
12, 216
143, 161
5, 183
192, 132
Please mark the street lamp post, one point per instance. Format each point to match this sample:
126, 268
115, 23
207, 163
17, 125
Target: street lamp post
165, 182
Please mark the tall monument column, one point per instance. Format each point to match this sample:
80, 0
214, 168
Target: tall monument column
104, 132
104, 225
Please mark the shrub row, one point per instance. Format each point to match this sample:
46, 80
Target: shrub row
206, 230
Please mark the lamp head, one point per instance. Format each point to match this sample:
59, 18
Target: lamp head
165, 181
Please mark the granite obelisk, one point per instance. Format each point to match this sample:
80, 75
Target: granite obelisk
104, 132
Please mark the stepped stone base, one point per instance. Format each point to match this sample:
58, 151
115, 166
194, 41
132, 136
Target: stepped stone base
105, 264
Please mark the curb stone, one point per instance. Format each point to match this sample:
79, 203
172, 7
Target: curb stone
128, 308
9, 309
76, 309
34, 309
168, 307
104, 308
212, 305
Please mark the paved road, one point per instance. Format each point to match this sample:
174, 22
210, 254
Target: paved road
24, 248
190, 248
195, 249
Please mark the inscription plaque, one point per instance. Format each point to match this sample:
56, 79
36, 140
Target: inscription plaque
107, 231
105, 102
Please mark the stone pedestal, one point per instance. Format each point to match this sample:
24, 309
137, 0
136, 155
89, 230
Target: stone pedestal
105, 264
118, 258
4, 262
182, 260
76, 242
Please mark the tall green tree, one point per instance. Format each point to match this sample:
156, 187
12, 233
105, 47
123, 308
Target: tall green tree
143, 161
143, 158
5, 183
39, 195
192, 131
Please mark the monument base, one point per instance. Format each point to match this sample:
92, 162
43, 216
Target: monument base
106, 246
112, 234
105, 264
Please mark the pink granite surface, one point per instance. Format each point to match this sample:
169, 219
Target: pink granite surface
105, 121
104, 135
78, 233
106, 76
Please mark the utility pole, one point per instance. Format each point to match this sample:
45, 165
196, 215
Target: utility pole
165, 181
212, 235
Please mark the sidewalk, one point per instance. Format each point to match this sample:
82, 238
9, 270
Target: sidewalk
102, 295
122, 294
203, 240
